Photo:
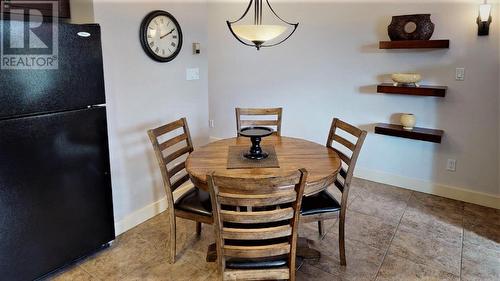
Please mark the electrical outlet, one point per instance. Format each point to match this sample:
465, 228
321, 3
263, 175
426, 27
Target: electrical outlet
451, 165
211, 123
460, 74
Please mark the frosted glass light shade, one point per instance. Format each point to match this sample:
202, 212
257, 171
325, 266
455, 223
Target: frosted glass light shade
259, 33
484, 12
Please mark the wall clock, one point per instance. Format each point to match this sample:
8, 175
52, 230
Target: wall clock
161, 36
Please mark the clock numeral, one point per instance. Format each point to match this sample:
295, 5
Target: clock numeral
174, 36
157, 50
163, 52
173, 44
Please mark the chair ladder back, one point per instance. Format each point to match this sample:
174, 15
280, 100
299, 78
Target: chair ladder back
164, 156
257, 219
355, 148
242, 123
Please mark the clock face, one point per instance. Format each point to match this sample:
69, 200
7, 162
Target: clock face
161, 36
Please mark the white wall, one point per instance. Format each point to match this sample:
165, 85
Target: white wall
142, 94
330, 68
82, 11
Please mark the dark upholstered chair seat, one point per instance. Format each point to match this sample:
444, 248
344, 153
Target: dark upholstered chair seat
322, 202
256, 264
196, 201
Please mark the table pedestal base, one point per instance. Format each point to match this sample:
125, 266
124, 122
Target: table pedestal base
303, 251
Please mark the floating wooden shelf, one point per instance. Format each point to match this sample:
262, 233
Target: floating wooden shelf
422, 134
415, 44
428, 91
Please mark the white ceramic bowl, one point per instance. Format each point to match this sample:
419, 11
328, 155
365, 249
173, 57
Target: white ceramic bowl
406, 78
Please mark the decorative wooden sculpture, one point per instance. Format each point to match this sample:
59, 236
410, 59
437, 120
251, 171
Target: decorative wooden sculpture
411, 27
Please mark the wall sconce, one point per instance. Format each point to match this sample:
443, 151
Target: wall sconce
484, 19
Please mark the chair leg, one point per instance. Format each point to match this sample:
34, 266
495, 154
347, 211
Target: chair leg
172, 248
198, 228
321, 228
342, 241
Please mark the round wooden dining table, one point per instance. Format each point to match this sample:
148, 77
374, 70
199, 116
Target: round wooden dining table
321, 162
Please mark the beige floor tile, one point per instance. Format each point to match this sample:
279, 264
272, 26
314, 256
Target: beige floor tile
124, 256
436, 209
310, 230
482, 235
480, 263
353, 193
422, 246
187, 268
200, 244
386, 202
437, 225
383, 205
369, 230
382, 189
475, 214
72, 273
309, 272
434, 217
396, 268
363, 261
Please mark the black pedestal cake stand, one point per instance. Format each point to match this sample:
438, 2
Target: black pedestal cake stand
256, 134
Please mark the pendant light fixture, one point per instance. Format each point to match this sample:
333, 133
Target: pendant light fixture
259, 34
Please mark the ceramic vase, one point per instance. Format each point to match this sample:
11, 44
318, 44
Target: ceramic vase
408, 121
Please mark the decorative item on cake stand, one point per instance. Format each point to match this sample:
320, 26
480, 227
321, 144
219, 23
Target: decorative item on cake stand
408, 121
406, 79
256, 134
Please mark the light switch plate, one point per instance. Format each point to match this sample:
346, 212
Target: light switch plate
451, 165
460, 74
192, 74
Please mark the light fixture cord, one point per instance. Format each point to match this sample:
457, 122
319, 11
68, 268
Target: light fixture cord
260, 5
258, 12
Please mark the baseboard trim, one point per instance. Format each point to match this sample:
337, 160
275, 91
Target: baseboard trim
213, 139
134, 219
451, 192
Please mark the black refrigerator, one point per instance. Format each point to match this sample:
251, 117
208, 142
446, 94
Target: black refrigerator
55, 182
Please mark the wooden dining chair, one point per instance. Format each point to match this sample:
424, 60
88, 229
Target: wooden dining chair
256, 225
184, 200
242, 123
324, 206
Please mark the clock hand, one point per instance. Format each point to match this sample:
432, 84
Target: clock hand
161, 37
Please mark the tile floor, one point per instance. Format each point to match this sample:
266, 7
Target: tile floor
393, 234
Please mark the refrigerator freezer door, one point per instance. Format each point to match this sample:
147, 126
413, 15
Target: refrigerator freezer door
55, 191
77, 83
